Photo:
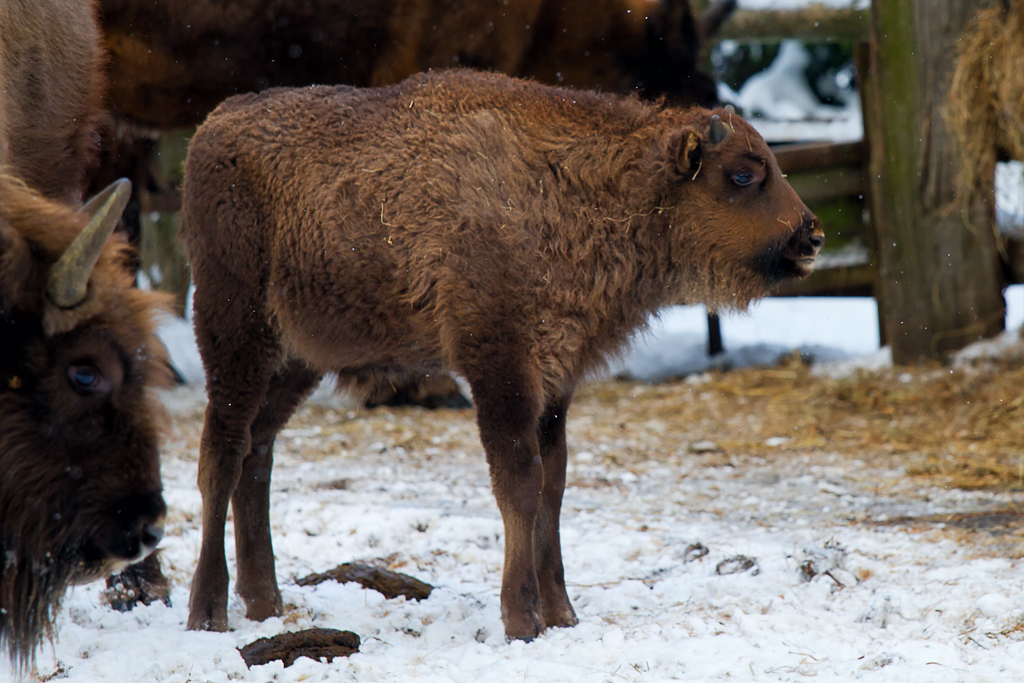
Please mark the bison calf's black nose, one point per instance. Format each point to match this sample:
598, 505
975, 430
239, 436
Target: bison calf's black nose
817, 240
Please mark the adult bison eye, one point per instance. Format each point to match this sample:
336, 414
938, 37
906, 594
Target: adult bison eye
742, 178
88, 380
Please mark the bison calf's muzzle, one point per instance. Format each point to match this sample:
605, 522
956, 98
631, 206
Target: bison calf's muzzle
802, 249
513, 233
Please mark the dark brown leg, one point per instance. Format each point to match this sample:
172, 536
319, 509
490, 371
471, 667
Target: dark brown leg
239, 367
507, 413
257, 582
546, 543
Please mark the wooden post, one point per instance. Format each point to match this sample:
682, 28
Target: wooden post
939, 275
715, 345
862, 58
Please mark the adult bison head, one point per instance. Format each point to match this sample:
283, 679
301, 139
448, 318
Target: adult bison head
80, 491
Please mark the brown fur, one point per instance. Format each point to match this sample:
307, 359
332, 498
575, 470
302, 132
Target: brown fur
80, 483
513, 233
50, 68
173, 61
81, 480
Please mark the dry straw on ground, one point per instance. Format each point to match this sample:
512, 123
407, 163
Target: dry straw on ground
959, 428
987, 94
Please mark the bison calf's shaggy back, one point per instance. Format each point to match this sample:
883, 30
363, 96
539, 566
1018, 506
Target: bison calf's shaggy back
511, 232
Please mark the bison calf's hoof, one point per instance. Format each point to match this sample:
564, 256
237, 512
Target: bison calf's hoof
204, 615
261, 609
207, 622
524, 626
561, 617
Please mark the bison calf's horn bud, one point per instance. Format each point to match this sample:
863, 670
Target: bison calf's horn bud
718, 129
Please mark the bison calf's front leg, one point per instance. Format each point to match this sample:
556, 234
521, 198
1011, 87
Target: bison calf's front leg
508, 432
219, 468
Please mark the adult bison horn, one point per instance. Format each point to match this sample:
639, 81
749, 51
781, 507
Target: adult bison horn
69, 277
718, 129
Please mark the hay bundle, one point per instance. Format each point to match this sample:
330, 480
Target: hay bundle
987, 94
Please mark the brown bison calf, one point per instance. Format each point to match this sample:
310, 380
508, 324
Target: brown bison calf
514, 233
79, 477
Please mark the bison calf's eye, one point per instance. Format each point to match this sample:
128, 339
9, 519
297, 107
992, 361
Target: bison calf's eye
88, 380
743, 178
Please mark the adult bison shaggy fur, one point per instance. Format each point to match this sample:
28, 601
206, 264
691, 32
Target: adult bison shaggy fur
173, 61
79, 476
510, 232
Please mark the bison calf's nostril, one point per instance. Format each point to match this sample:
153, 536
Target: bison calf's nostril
817, 240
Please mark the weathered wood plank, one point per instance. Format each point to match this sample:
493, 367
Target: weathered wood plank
812, 156
832, 183
817, 23
853, 280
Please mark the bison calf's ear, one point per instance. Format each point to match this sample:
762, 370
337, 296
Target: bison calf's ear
684, 153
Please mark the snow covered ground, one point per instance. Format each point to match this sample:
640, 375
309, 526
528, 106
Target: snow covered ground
412, 487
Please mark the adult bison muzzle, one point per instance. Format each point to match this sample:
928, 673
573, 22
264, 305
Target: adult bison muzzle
80, 492
514, 233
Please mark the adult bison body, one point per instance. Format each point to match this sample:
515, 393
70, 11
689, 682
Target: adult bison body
173, 61
79, 477
50, 93
510, 232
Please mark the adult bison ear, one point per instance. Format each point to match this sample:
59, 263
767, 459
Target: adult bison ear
15, 265
685, 153
69, 277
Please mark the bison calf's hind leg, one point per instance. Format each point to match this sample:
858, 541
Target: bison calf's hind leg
257, 579
507, 417
546, 543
